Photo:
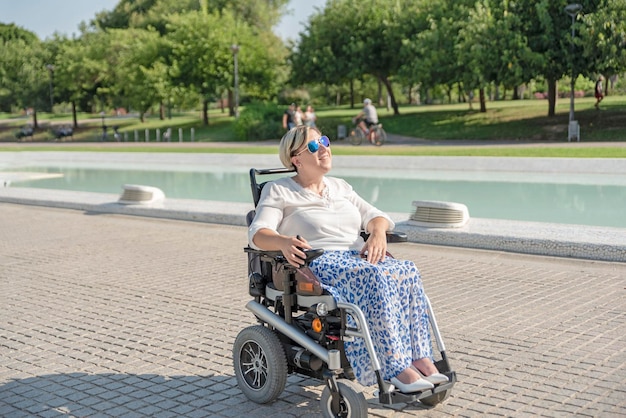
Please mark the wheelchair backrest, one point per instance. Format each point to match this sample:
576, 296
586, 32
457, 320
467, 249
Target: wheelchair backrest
254, 262
257, 187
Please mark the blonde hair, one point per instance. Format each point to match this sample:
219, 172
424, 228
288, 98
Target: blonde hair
292, 141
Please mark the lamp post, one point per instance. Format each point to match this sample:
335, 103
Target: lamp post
50, 68
574, 130
235, 49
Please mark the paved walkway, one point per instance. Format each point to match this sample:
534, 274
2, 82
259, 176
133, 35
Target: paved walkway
106, 315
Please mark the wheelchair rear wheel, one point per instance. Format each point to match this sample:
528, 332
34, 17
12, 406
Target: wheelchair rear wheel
260, 364
352, 404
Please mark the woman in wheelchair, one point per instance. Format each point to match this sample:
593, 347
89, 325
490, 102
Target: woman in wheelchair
312, 210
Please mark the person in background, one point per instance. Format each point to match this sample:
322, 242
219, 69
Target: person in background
288, 117
298, 116
313, 210
367, 117
309, 117
599, 92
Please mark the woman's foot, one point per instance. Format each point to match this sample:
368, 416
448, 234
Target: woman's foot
410, 381
426, 369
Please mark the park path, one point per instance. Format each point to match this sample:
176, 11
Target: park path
114, 315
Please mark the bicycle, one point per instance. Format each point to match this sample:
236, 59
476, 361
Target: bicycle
377, 135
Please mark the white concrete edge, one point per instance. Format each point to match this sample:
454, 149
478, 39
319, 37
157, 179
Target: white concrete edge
575, 241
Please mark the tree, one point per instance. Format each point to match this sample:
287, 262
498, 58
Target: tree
140, 77
603, 38
200, 53
143, 14
491, 49
547, 27
349, 40
12, 32
327, 52
429, 54
83, 71
24, 78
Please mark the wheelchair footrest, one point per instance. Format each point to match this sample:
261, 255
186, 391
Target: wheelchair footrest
396, 396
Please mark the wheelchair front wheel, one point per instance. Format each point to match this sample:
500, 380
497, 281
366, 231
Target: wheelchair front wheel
351, 405
436, 398
260, 364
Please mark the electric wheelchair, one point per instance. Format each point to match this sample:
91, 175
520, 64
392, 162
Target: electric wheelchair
304, 334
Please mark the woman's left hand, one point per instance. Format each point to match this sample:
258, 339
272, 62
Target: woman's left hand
376, 244
375, 247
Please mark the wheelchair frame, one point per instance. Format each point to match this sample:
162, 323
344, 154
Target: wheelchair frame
305, 334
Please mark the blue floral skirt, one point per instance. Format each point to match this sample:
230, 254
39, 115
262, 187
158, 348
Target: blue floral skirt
392, 298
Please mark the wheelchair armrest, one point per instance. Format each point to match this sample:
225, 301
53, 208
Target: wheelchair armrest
392, 236
270, 254
312, 254
277, 256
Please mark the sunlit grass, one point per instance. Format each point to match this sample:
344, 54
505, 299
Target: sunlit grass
520, 120
341, 150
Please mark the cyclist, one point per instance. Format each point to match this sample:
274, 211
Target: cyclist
367, 118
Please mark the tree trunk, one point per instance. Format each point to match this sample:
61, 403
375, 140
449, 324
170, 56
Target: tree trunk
74, 118
351, 94
394, 104
231, 105
161, 110
205, 111
35, 123
516, 93
483, 103
551, 97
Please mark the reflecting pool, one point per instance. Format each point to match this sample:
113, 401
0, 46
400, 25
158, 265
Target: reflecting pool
599, 201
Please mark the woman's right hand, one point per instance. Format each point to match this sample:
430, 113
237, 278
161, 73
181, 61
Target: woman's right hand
292, 249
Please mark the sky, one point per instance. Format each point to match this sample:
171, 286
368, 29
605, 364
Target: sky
45, 17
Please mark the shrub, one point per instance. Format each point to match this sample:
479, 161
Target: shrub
259, 121
329, 126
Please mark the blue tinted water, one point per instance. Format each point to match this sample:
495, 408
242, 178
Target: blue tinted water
516, 198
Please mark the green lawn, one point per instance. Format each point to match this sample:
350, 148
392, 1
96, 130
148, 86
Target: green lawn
342, 149
523, 122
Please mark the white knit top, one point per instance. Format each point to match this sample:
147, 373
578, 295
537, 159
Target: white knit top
332, 221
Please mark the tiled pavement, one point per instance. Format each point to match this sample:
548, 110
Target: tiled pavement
109, 315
